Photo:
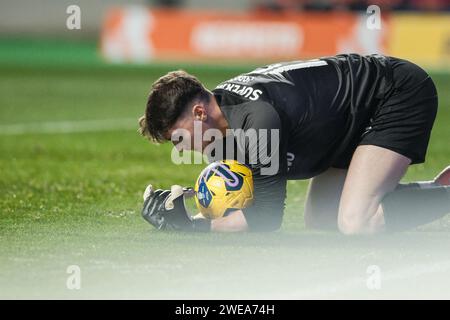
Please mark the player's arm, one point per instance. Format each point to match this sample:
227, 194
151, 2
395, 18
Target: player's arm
265, 215
267, 158
269, 177
233, 222
166, 210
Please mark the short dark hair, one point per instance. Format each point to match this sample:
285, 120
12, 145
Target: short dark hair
169, 96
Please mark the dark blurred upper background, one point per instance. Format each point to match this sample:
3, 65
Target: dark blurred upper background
219, 31
45, 17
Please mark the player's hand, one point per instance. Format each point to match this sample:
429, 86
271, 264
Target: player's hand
166, 210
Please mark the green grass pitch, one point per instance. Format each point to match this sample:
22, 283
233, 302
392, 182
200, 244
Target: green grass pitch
74, 198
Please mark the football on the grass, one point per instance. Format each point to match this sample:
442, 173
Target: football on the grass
222, 186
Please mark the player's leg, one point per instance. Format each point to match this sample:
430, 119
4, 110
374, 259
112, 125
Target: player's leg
402, 124
373, 172
324, 193
414, 204
322, 201
443, 178
373, 201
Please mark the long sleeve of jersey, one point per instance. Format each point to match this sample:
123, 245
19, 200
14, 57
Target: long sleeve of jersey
260, 138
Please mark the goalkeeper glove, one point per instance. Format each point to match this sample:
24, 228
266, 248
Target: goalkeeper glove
166, 210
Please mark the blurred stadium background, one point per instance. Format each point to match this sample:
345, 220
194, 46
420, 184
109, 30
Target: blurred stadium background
73, 166
239, 30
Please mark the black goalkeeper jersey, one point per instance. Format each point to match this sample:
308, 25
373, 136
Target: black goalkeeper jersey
320, 108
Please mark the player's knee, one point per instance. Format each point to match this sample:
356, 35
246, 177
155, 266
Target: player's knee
351, 222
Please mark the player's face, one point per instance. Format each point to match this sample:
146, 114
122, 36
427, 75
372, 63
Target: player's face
188, 132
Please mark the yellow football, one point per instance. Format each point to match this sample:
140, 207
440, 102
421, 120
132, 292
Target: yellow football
223, 185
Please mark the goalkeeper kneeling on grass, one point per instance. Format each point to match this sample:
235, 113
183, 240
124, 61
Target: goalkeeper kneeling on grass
350, 123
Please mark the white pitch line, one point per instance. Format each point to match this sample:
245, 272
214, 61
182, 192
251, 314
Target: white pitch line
69, 126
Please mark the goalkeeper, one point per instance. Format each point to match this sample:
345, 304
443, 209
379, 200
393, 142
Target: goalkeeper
352, 124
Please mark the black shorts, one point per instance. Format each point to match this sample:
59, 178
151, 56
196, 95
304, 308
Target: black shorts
404, 121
